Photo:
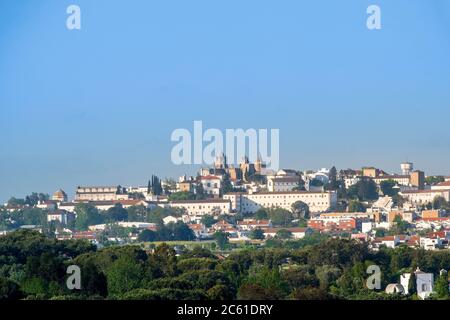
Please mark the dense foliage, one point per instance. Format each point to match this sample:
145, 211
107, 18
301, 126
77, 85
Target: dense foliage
34, 267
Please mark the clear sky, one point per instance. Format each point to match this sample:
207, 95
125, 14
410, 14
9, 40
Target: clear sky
98, 105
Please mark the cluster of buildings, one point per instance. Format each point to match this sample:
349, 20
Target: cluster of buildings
424, 284
254, 187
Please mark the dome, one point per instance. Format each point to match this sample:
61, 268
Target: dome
59, 195
395, 288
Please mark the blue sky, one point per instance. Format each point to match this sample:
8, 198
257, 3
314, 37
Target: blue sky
98, 105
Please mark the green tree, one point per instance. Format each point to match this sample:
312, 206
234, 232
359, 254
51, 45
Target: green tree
137, 213
16, 202
356, 206
433, 180
440, 203
221, 240
333, 183
263, 283
388, 188
9, 290
364, 190
124, 275
257, 234
400, 226
261, 214
155, 186
208, 220
284, 234
281, 217
147, 236
177, 196
87, 215
300, 186
300, 210
199, 192
226, 184
117, 213
442, 287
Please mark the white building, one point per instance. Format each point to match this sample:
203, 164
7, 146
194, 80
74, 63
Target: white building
251, 224
403, 180
67, 206
200, 231
425, 284
282, 183
431, 243
419, 197
250, 203
47, 205
170, 219
297, 233
137, 225
351, 181
61, 216
203, 207
101, 193
321, 175
442, 186
143, 190
59, 196
211, 184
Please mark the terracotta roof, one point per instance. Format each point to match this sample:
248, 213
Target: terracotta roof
393, 176
209, 178
388, 238
443, 184
200, 201
253, 222
424, 191
293, 230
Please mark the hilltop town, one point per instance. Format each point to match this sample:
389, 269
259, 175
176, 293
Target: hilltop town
360, 215
250, 204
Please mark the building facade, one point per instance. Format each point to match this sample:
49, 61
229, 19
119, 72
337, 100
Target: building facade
250, 203
103, 193
203, 207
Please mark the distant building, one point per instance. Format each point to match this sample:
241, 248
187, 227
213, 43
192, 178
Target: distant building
371, 172
211, 185
104, 193
417, 179
424, 283
47, 205
250, 203
407, 168
59, 196
282, 183
203, 207
297, 233
61, 216
442, 186
423, 197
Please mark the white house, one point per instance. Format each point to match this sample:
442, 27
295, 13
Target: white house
297, 233
282, 184
250, 203
62, 216
425, 284
419, 197
170, 219
211, 184
202, 207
